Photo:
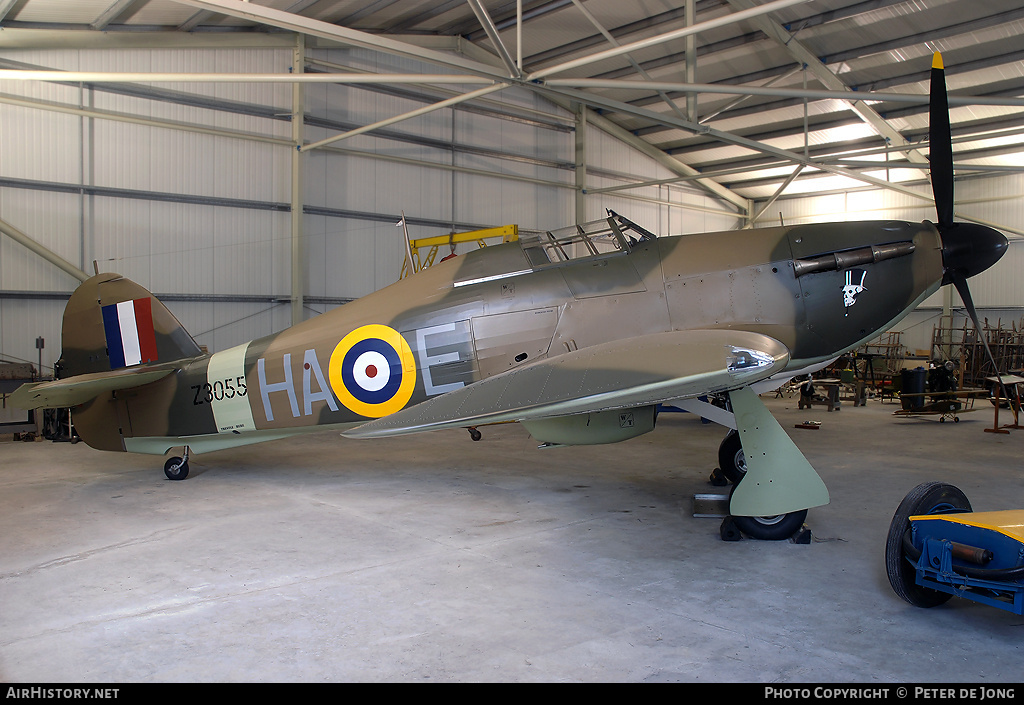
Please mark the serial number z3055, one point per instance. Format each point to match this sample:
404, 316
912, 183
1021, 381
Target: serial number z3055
220, 389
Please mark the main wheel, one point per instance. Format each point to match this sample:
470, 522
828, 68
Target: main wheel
770, 528
175, 468
776, 528
926, 498
731, 460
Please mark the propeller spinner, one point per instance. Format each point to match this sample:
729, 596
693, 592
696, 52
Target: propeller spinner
967, 248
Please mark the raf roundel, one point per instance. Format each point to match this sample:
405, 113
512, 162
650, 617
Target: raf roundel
373, 371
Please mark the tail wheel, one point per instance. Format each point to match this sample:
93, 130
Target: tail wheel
176, 468
926, 498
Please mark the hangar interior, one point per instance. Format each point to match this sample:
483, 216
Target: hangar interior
248, 163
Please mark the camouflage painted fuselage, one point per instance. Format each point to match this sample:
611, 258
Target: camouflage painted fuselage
489, 311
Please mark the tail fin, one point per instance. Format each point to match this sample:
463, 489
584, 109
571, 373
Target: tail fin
111, 323
116, 336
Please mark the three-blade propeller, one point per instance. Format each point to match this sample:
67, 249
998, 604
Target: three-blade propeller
967, 248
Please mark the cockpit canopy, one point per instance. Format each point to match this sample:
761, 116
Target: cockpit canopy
613, 236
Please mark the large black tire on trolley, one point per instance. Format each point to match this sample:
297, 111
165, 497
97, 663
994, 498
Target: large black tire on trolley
926, 498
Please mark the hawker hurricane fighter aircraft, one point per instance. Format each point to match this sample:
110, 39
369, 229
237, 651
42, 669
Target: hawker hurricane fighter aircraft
577, 333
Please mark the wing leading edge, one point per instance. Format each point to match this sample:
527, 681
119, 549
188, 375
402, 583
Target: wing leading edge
618, 374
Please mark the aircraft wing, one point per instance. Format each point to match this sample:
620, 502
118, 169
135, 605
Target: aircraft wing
81, 388
618, 374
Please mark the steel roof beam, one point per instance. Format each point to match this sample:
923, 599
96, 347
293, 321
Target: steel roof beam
118, 8
467, 79
531, 12
163, 77
5, 7
830, 80
486, 106
79, 38
615, 42
492, 33
671, 163
810, 94
295, 23
702, 5
344, 35
478, 93
778, 192
729, 138
857, 53
195, 20
1003, 126
41, 250
732, 18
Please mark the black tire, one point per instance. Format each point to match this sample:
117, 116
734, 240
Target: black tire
731, 460
770, 528
175, 468
776, 528
926, 498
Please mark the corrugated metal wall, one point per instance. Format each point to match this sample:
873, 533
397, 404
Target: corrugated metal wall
611, 163
156, 238
205, 216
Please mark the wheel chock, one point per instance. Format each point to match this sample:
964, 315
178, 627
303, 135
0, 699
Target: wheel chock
728, 530
802, 536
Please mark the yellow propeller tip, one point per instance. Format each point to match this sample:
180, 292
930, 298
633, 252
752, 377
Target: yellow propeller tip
937, 61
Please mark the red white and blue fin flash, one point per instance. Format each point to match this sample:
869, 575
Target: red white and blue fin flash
131, 339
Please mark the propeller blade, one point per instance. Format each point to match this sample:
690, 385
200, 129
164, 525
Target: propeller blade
960, 282
941, 141
967, 249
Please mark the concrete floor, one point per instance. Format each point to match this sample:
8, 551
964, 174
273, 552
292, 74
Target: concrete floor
434, 558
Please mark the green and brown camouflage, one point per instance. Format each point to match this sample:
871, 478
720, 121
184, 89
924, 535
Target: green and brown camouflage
577, 333
492, 311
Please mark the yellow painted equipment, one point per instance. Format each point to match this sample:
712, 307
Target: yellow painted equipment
507, 233
938, 548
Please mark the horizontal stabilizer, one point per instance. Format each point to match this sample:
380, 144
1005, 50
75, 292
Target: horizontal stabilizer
81, 388
623, 373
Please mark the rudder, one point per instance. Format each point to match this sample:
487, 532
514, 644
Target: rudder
111, 322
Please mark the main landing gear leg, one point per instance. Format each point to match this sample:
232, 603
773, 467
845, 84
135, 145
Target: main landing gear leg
176, 468
765, 528
778, 484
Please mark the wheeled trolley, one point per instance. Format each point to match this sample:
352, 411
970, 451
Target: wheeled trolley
938, 547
